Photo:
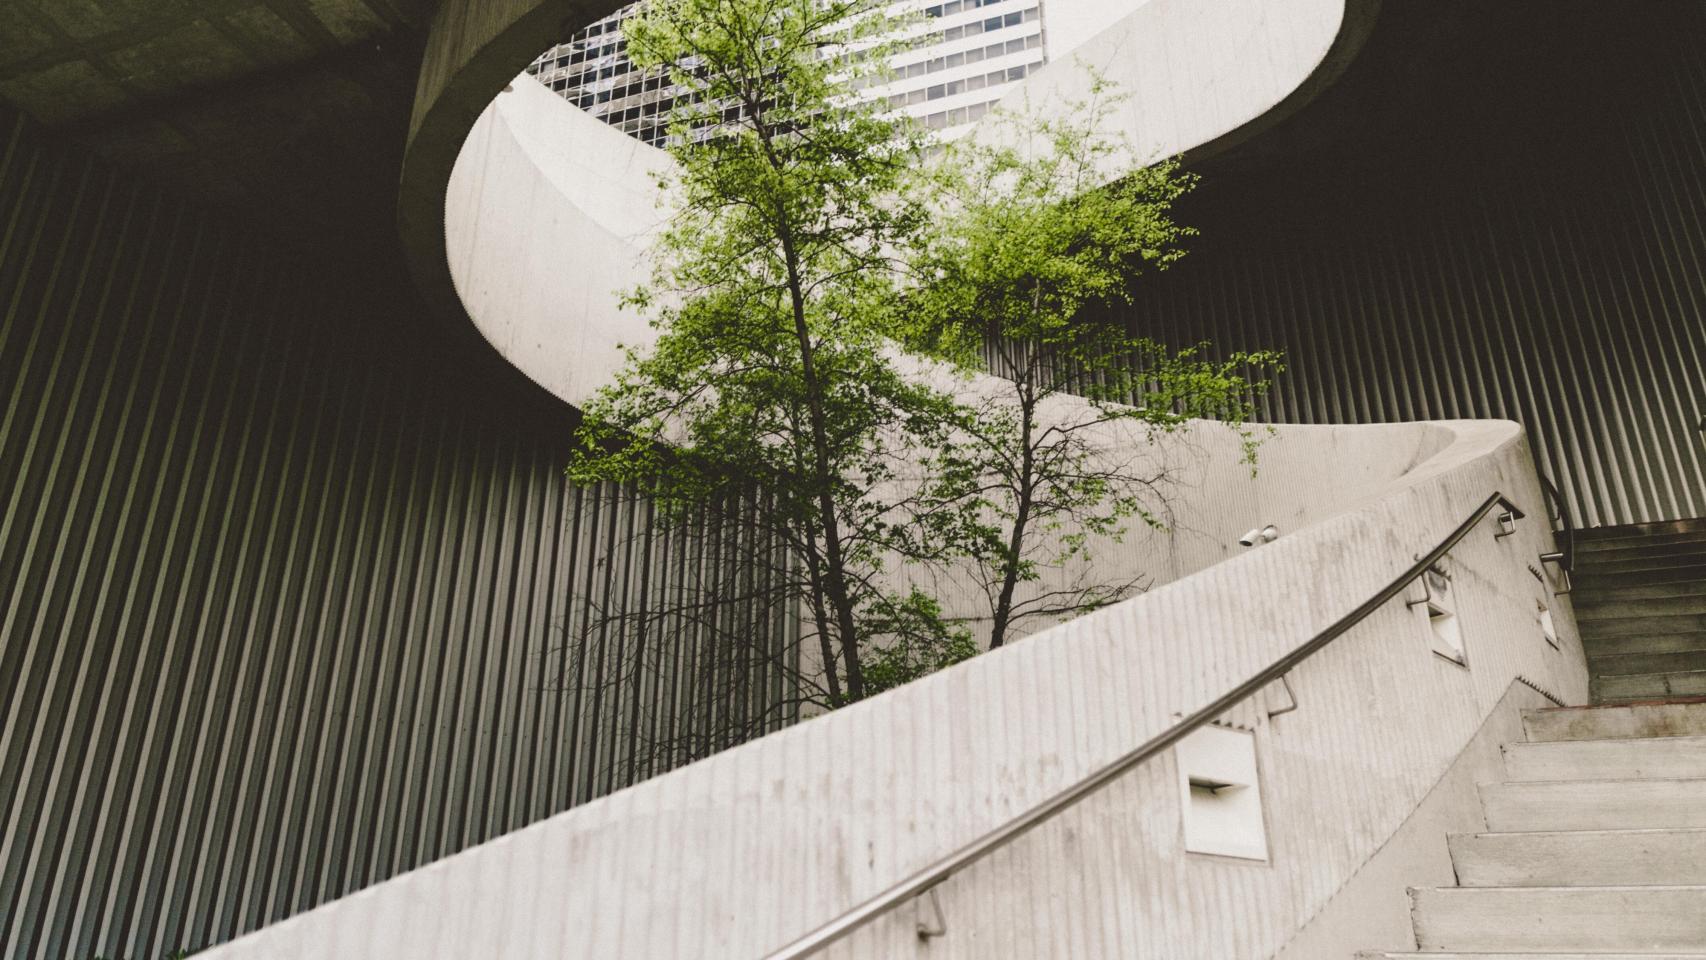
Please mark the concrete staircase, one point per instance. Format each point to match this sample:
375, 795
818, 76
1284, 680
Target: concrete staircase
1640, 600
1595, 846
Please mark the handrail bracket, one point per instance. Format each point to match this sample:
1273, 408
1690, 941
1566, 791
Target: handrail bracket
1561, 560
939, 927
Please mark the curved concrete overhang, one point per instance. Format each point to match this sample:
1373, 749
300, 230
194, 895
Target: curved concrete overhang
526, 217
474, 49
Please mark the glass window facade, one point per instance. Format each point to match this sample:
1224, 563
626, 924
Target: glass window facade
967, 56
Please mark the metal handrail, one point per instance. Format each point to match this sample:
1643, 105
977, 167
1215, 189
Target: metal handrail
930, 877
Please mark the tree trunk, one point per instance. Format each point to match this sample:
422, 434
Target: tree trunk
1016, 537
834, 565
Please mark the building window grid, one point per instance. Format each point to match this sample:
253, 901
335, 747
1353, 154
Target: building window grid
591, 72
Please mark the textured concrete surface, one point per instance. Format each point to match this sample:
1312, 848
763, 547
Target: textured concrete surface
1511, 919
287, 114
1595, 805
1579, 858
63, 62
1668, 757
1372, 909
1537, 956
1680, 719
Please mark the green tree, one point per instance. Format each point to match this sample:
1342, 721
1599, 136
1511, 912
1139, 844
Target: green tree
1045, 222
776, 297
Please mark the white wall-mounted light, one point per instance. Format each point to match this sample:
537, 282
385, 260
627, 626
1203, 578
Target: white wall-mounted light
1221, 794
1445, 633
1267, 534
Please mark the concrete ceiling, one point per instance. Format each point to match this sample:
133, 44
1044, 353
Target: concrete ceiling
66, 60
289, 112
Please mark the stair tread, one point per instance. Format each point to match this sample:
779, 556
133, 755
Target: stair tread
1610, 833
1540, 919
1392, 955
1653, 643
1587, 578
1608, 804
1558, 858
1530, 761
1589, 782
1640, 687
1694, 554
1607, 722
1682, 623
1652, 528
1685, 541
1585, 891
1591, 593
1635, 664
1621, 608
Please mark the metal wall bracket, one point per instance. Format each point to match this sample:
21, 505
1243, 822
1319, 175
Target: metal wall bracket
1285, 681
1563, 571
1426, 580
937, 928
1507, 525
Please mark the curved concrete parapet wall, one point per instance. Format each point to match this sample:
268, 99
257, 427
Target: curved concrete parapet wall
738, 854
536, 215
474, 49
1202, 77
546, 222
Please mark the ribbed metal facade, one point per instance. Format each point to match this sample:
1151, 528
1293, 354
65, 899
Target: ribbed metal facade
1517, 232
280, 615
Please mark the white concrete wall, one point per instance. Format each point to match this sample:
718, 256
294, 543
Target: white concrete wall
1073, 23
1194, 70
547, 218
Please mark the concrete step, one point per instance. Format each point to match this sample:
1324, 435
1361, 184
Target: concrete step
1636, 626
1629, 531
1583, 919
1579, 858
1623, 607
1686, 719
1377, 955
1693, 556
1610, 550
1589, 579
1631, 664
1555, 805
1593, 593
1613, 544
1638, 643
1658, 758
1629, 688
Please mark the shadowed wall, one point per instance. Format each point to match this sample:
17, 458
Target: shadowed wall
1498, 211
283, 597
